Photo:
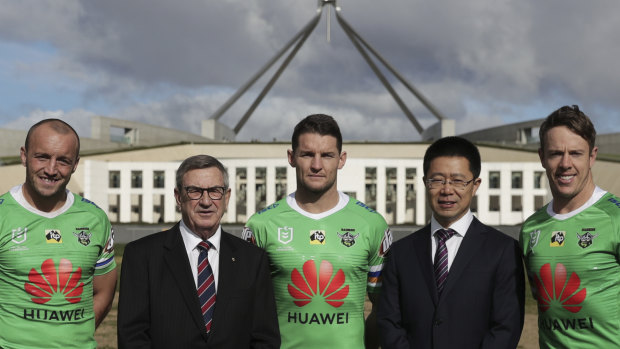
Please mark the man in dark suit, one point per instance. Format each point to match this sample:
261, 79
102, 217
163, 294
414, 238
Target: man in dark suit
196, 286
456, 283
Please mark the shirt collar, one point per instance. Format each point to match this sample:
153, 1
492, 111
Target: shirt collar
460, 226
190, 239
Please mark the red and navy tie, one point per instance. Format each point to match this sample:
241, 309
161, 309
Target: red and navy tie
206, 284
441, 257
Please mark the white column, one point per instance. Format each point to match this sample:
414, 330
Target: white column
125, 197
231, 211
251, 190
420, 197
401, 194
270, 182
147, 194
381, 184
170, 202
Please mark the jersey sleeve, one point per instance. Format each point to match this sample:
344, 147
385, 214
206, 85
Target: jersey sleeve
380, 245
253, 233
105, 261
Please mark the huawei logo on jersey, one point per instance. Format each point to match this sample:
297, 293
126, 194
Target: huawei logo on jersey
51, 281
324, 283
554, 287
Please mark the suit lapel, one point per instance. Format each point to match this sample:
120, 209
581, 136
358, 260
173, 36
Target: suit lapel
175, 257
228, 272
472, 242
422, 245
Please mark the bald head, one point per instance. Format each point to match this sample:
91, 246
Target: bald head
56, 125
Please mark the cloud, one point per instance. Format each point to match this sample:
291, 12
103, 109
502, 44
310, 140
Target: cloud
175, 63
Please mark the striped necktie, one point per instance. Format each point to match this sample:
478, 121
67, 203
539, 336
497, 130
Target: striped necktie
206, 284
441, 257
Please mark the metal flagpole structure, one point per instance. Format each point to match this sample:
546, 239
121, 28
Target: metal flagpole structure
363, 47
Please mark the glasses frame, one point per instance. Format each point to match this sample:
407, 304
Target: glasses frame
210, 192
442, 183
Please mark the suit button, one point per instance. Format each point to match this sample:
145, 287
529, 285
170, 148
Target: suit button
438, 322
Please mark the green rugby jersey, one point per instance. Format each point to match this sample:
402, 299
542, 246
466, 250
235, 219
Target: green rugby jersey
322, 265
573, 267
47, 263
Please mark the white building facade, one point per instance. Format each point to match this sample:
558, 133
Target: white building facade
143, 191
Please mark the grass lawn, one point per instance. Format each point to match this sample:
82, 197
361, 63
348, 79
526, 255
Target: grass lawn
106, 333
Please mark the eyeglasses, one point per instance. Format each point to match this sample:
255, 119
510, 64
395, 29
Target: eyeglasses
196, 193
435, 183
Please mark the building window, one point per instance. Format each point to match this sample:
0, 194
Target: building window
494, 203
114, 179
261, 188
280, 182
516, 180
136, 179
538, 179
516, 204
159, 179
494, 180
539, 202
474, 204
371, 187
241, 182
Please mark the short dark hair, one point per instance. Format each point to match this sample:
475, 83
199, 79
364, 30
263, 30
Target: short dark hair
197, 162
322, 124
453, 146
573, 119
58, 126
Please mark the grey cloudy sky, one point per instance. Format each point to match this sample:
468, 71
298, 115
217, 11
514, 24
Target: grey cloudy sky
173, 63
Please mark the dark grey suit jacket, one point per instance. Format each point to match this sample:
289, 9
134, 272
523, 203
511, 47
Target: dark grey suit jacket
482, 304
159, 308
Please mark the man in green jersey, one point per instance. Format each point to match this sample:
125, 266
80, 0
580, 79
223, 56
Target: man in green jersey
326, 249
572, 245
57, 269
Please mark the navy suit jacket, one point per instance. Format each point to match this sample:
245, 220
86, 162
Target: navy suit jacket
482, 304
159, 308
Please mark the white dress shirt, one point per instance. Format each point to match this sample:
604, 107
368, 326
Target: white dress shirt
453, 244
191, 241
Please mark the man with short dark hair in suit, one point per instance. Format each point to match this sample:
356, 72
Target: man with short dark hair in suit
196, 286
456, 283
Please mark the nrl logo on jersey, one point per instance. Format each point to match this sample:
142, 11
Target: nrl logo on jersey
53, 236
347, 238
534, 235
285, 234
585, 240
19, 235
82, 237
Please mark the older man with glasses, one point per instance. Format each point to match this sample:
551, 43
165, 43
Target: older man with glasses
456, 283
196, 286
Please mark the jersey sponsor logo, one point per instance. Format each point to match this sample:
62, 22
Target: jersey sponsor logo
53, 236
54, 315
274, 205
586, 239
347, 238
361, 204
248, 235
109, 246
386, 242
534, 236
82, 237
311, 285
565, 324
554, 289
1, 201
317, 237
319, 318
52, 282
19, 235
615, 202
89, 202
557, 239
285, 234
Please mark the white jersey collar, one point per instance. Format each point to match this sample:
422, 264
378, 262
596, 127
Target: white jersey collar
343, 200
18, 195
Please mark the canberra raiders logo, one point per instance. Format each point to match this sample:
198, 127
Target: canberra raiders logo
348, 239
83, 238
585, 240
